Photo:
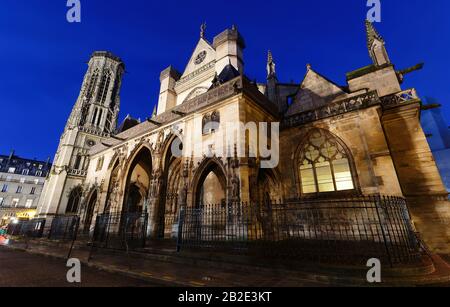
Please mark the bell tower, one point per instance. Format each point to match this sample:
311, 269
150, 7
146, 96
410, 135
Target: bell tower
98, 105
93, 118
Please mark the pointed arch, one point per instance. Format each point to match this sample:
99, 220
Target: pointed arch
324, 164
206, 168
268, 186
92, 83
113, 181
138, 177
170, 186
75, 196
196, 92
92, 201
104, 86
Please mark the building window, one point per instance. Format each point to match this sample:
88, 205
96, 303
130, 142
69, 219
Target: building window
33, 191
5, 188
103, 88
2, 200
92, 84
15, 202
25, 172
29, 203
324, 165
77, 164
211, 123
38, 173
95, 116
74, 201
100, 162
99, 119
11, 170
19, 189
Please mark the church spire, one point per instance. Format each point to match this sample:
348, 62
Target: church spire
376, 45
271, 66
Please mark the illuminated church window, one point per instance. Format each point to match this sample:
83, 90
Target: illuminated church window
324, 165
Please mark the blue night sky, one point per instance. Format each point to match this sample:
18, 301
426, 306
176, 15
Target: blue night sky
44, 57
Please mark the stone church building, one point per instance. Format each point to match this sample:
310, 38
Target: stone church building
334, 142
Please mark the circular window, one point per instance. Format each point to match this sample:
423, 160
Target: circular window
200, 57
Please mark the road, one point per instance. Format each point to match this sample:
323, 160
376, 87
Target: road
21, 269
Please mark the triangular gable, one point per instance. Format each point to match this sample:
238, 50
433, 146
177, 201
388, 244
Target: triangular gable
315, 91
202, 45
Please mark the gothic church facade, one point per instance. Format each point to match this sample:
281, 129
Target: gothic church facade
335, 142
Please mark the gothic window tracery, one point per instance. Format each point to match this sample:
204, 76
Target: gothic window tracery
103, 87
92, 84
74, 201
324, 165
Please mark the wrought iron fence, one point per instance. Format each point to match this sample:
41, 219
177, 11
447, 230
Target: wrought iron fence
121, 231
349, 230
31, 229
64, 228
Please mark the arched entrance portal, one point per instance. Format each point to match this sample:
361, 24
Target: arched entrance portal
138, 182
267, 188
211, 186
169, 198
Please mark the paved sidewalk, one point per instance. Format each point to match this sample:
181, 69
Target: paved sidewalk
21, 269
170, 273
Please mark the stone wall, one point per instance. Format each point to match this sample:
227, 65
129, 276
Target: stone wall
419, 176
362, 133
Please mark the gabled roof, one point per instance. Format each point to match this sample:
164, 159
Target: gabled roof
202, 45
314, 91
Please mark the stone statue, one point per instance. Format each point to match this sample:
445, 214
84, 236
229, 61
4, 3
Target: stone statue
235, 187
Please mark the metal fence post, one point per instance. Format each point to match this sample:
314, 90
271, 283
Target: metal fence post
180, 229
74, 237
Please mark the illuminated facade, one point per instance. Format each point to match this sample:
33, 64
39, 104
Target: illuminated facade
336, 141
21, 183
